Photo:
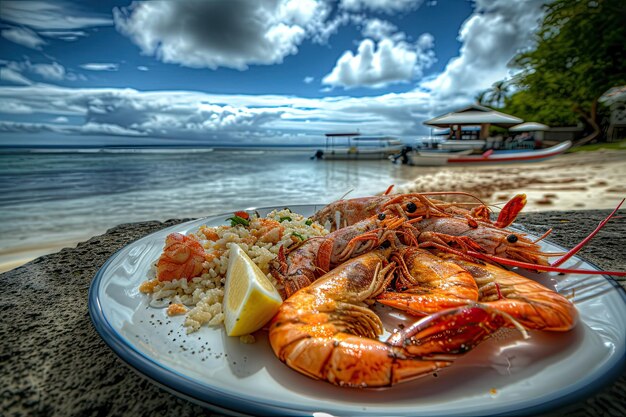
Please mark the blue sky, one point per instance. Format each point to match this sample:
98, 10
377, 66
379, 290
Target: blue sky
246, 71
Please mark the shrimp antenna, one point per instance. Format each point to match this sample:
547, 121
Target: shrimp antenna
543, 268
346, 193
455, 193
545, 235
578, 247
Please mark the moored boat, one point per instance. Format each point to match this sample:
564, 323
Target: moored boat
421, 157
462, 145
438, 158
354, 146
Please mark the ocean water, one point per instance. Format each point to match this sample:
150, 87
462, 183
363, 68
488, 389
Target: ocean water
57, 197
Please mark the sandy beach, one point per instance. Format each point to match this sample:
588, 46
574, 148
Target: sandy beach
577, 181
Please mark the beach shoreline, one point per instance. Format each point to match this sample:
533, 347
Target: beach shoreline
13, 257
576, 181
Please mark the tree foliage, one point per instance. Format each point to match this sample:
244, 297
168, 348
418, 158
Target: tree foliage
580, 53
548, 110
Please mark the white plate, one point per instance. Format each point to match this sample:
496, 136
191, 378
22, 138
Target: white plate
505, 374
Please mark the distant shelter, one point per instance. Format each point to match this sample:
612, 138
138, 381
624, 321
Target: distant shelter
473, 118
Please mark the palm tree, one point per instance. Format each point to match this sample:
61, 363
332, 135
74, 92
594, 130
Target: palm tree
497, 93
481, 97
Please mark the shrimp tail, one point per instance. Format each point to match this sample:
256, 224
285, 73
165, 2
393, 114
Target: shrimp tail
509, 212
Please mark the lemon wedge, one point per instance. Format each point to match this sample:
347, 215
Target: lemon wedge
250, 299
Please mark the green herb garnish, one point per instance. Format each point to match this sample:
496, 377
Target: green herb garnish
235, 220
298, 235
308, 222
282, 219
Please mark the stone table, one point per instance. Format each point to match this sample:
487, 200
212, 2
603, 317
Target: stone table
53, 363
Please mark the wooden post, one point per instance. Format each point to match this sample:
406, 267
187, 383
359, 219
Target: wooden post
484, 130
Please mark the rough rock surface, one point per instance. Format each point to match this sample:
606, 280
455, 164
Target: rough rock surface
53, 362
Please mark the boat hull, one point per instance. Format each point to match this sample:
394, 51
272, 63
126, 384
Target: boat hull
434, 158
439, 159
461, 145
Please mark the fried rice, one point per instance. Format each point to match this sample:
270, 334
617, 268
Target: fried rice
261, 239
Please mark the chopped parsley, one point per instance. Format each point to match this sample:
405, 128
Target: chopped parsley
235, 220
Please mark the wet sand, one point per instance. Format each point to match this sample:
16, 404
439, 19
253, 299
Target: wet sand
578, 181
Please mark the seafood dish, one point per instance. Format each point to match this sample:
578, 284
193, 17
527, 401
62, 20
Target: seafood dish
188, 277
449, 267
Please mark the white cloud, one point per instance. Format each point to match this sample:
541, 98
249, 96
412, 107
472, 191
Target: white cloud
13, 76
142, 68
172, 114
103, 129
58, 20
126, 112
10, 107
381, 64
100, 66
308, 80
233, 34
222, 118
491, 37
53, 71
379, 29
17, 127
66, 35
322, 29
45, 15
386, 6
14, 72
60, 119
23, 36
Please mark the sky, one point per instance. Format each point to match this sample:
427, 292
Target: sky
210, 72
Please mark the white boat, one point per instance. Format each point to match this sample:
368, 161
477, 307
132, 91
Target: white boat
354, 146
434, 158
462, 145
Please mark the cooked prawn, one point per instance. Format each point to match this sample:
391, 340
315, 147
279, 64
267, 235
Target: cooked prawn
327, 331
182, 257
529, 303
303, 264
